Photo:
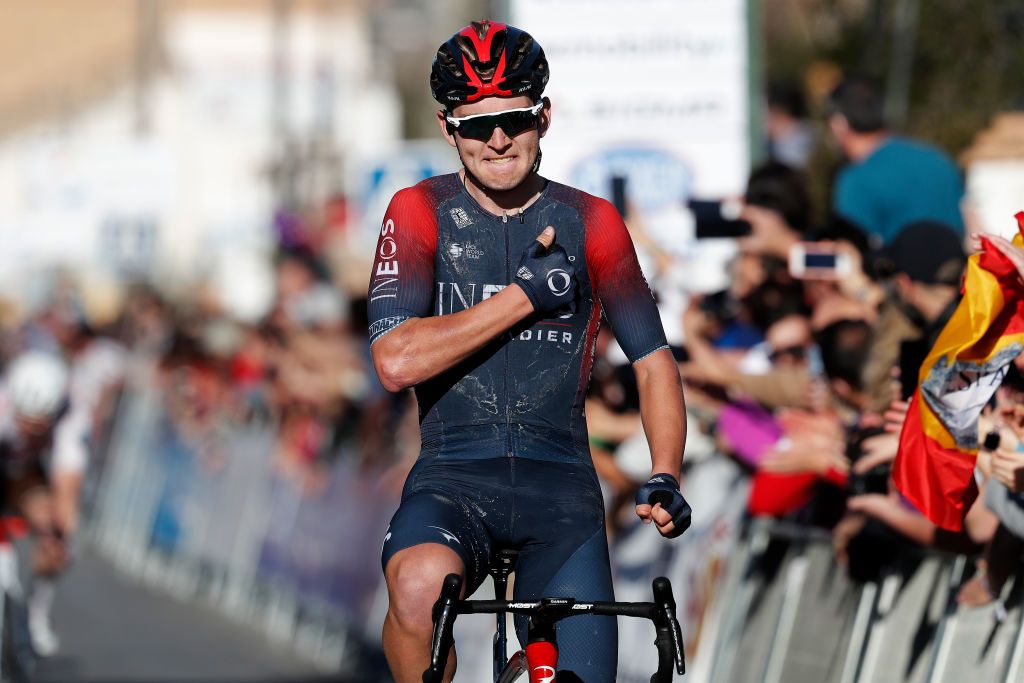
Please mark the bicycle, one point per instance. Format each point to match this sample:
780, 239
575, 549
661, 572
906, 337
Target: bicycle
540, 656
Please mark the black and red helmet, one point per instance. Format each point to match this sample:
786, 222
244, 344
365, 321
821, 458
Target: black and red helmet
488, 59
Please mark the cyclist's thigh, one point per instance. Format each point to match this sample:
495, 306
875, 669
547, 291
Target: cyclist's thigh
567, 556
432, 512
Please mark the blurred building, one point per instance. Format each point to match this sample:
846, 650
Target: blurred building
994, 166
146, 137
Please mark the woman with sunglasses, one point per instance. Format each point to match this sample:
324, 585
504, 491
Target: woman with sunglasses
486, 296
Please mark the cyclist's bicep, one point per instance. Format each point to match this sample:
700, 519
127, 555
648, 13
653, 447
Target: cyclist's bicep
621, 286
402, 279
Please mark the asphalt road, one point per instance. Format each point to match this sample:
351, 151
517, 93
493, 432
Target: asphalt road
113, 629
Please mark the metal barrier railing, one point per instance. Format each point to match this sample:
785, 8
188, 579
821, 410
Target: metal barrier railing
216, 521
788, 613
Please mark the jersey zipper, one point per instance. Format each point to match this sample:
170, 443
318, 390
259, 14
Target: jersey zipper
508, 271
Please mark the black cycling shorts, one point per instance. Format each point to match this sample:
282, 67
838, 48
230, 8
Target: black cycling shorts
552, 512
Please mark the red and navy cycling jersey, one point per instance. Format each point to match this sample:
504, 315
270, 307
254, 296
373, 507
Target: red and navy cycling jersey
521, 395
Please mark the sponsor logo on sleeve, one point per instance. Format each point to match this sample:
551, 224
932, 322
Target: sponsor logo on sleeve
386, 325
385, 279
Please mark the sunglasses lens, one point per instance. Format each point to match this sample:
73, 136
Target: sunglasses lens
482, 127
478, 128
518, 122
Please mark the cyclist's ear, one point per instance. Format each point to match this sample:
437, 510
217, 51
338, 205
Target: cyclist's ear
544, 118
446, 128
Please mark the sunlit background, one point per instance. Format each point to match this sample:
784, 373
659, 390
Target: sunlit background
190, 194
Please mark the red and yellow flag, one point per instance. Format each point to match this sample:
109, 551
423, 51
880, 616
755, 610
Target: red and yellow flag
939, 443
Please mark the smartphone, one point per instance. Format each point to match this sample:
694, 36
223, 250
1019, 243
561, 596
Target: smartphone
992, 441
717, 220
816, 261
619, 194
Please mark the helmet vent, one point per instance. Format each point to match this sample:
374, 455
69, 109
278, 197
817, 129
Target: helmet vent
520, 53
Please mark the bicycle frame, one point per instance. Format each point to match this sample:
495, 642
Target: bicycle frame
542, 650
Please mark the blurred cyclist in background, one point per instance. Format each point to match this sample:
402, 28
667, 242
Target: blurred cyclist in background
487, 294
34, 429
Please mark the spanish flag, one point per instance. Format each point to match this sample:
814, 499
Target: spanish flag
939, 442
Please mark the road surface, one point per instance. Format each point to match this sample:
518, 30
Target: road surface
114, 629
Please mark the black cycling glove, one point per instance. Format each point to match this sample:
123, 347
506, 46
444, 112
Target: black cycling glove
664, 489
548, 278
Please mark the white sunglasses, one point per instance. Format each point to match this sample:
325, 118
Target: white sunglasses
481, 126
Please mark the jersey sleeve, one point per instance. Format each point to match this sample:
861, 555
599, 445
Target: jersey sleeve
619, 283
402, 279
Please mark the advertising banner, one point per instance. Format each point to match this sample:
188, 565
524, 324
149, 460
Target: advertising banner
653, 100
657, 94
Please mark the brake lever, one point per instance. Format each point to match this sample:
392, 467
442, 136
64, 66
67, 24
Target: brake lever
667, 607
443, 614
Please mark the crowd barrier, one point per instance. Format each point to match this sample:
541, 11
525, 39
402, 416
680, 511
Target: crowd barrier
761, 601
213, 520
788, 613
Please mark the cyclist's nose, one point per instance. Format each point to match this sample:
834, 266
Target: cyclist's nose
499, 139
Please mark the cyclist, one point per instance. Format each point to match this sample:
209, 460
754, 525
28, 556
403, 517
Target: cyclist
32, 412
496, 333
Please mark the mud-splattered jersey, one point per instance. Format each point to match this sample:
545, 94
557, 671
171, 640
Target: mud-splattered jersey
522, 394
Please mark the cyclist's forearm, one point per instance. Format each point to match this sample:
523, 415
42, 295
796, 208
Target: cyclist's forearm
421, 348
662, 410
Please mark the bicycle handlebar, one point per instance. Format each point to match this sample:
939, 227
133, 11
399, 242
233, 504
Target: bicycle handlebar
662, 612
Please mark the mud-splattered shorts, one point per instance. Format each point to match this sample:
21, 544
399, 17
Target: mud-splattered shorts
552, 512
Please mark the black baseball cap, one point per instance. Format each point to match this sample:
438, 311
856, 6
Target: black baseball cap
929, 252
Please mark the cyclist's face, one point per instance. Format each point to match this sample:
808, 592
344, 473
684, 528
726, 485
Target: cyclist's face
501, 162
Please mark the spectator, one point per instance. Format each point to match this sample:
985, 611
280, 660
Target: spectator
928, 263
1002, 494
778, 208
790, 138
890, 181
924, 265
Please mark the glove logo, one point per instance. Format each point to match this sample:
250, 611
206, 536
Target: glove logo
559, 282
544, 674
524, 273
